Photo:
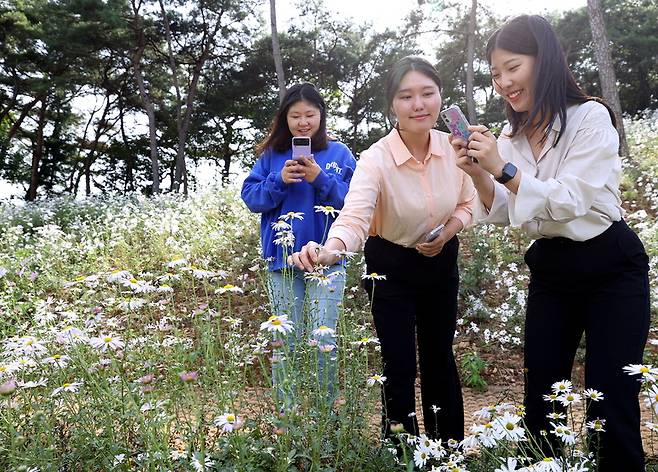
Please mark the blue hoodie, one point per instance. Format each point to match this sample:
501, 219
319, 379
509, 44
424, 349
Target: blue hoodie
265, 192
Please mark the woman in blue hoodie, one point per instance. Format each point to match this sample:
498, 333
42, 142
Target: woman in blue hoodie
298, 200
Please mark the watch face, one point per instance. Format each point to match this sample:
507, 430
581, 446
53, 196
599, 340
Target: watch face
509, 171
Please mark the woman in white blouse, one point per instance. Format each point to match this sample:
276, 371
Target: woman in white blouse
555, 171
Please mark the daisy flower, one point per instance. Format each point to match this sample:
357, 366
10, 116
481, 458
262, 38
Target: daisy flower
596, 425
58, 360
648, 372
420, 457
562, 386
364, 341
105, 342
326, 348
177, 261
507, 427
280, 225
201, 463
277, 324
564, 433
380, 379
509, 466
71, 387
229, 288
228, 422
569, 398
327, 210
119, 276
593, 395
292, 215
373, 276
324, 330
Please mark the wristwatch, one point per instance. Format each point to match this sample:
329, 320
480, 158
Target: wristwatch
509, 171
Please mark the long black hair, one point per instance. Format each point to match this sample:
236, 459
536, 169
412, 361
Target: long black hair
554, 84
279, 137
400, 69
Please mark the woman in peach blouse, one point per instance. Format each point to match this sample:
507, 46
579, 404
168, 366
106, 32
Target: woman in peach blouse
406, 184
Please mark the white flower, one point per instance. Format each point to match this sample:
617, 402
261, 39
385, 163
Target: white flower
509, 466
373, 276
420, 457
327, 210
3, 272
326, 348
200, 466
118, 459
564, 433
279, 324
569, 398
105, 342
132, 304
33, 383
70, 335
563, 386
596, 425
651, 398
228, 422
280, 225
31, 345
380, 379
593, 395
365, 341
486, 434
648, 372
67, 387
119, 276
324, 331
229, 288
506, 427
164, 289
177, 261
292, 215
58, 360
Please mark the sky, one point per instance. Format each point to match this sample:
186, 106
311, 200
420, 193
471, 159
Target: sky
389, 13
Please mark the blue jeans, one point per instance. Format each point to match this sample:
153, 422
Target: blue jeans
309, 304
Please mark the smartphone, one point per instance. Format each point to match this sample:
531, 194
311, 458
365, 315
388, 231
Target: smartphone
301, 146
456, 122
432, 235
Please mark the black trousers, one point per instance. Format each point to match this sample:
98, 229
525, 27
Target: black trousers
599, 287
415, 309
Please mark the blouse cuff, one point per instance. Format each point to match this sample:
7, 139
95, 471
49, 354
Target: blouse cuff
351, 241
529, 201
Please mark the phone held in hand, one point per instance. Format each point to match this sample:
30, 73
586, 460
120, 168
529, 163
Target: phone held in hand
456, 122
301, 147
432, 235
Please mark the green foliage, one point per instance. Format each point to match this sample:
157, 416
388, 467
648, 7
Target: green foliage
472, 369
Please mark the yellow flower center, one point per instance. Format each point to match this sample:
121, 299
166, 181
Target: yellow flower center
66, 385
276, 322
29, 342
229, 286
230, 418
57, 356
644, 370
509, 426
107, 339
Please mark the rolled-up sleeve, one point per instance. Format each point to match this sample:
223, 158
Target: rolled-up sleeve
354, 220
585, 171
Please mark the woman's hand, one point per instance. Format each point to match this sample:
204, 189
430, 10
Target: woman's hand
432, 248
313, 254
464, 162
292, 172
482, 146
311, 168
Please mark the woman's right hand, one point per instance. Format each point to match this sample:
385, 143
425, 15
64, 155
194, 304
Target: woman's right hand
464, 162
292, 172
313, 254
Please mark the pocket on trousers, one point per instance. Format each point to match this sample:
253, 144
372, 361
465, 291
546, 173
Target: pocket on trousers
632, 249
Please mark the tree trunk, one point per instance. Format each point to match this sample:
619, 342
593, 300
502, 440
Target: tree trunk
470, 58
37, 154
276, 52
606, 68
138, 29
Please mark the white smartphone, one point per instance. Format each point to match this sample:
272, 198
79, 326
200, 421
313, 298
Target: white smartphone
432, 235
301, 146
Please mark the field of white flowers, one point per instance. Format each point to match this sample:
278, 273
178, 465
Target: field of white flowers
134, 335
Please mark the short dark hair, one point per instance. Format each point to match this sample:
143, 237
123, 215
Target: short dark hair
279, 137
400, 69
554, 85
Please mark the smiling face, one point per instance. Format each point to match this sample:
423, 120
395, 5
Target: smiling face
303, 119
417, 103
513, 78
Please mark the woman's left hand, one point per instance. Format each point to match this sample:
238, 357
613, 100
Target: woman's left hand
482, 146
311, 168
432, 248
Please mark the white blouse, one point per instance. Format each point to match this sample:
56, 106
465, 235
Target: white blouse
572, 189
